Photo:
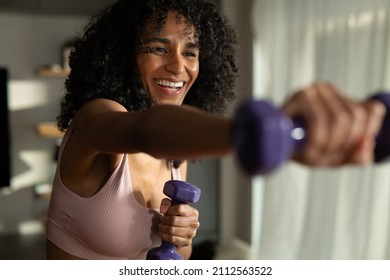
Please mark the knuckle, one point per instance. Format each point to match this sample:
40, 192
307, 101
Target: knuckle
171, 230
185, 242
196, 213
180, 208
377, 108
196, 225
193, 234
305, 93
359, 114
340, 119
174, 220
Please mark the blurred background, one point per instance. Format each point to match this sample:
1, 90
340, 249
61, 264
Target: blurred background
292, 213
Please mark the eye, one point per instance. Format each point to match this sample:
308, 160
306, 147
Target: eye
159, 50
190, 54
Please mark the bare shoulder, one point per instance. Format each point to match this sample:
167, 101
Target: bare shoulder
99, 106
93, 120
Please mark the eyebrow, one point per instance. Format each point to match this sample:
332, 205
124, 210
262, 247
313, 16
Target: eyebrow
190, 45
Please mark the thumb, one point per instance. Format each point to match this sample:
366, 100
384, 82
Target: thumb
363, 152
165, 204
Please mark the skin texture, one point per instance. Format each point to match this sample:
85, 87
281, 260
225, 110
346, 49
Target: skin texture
170, 57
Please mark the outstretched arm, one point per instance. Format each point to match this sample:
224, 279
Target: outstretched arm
340, 130
164, 131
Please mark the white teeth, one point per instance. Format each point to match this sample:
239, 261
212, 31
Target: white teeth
166, 83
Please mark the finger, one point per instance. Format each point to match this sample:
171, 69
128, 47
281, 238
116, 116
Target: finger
185, 232
177, 235
178, 241
355, 128
181, 210
363, 152
346, 126
307, 104
336, 129
165, 205
185, 219
376, 113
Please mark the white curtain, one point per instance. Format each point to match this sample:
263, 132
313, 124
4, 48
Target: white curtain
304, 213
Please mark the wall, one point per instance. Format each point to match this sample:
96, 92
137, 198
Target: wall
236, 187
26, 43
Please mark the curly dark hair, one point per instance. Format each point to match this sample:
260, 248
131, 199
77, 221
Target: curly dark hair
103, 59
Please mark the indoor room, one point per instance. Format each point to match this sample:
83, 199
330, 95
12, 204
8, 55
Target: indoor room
293, 211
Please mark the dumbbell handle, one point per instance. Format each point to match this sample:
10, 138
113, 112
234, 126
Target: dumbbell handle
180, 192
168, 250
265, 137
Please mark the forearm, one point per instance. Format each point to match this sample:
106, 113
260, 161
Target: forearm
165, 131
182, 132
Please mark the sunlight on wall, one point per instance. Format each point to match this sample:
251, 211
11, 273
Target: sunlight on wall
31, 227
28, 104
40, 169
24, 94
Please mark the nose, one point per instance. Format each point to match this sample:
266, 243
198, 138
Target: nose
175, 64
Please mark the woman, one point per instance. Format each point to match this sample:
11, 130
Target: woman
147, 80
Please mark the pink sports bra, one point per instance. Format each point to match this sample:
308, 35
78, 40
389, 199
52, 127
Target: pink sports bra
109, 225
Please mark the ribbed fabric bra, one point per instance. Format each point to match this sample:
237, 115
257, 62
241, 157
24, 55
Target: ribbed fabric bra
109, 225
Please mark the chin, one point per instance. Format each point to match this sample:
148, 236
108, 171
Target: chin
169, 102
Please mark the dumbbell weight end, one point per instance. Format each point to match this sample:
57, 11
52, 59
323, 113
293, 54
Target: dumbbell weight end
264, 137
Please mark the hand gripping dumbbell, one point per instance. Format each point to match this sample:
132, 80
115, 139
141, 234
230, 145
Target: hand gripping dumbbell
264, 137
180, 192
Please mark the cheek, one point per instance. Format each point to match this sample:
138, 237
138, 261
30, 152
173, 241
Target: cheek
194, 70
146, 65
142, 68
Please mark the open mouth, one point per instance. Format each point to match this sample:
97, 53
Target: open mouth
170, 85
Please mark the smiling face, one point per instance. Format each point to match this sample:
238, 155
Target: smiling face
168, 62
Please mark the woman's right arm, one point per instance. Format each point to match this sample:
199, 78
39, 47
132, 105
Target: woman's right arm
339, 129
164, 131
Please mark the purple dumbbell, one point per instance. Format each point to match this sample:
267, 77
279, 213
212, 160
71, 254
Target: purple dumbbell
180, 192
264, 137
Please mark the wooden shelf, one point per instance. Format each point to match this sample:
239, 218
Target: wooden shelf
55, 72
48, 130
